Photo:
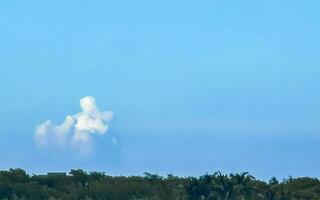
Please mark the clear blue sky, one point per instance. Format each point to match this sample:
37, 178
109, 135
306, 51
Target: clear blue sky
195, 86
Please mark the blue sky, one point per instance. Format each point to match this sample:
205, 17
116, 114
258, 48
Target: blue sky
195, 86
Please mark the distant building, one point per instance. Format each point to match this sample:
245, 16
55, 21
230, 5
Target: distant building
56, 174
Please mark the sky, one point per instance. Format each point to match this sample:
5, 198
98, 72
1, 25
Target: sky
191, 87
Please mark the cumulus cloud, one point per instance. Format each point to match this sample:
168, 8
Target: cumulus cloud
77, 130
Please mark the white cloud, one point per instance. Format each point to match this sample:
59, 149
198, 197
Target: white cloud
77, 130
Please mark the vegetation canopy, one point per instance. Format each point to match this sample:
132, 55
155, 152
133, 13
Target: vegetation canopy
78, 184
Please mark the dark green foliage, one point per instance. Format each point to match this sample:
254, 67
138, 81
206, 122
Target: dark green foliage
17, 184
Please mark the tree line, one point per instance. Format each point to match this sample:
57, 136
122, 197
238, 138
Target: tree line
77, 185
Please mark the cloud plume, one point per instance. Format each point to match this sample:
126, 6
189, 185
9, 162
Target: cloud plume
77, 130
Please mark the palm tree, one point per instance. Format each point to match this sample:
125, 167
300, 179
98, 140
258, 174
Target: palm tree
233, 187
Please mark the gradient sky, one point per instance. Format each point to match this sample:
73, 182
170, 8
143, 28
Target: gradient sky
195, 86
